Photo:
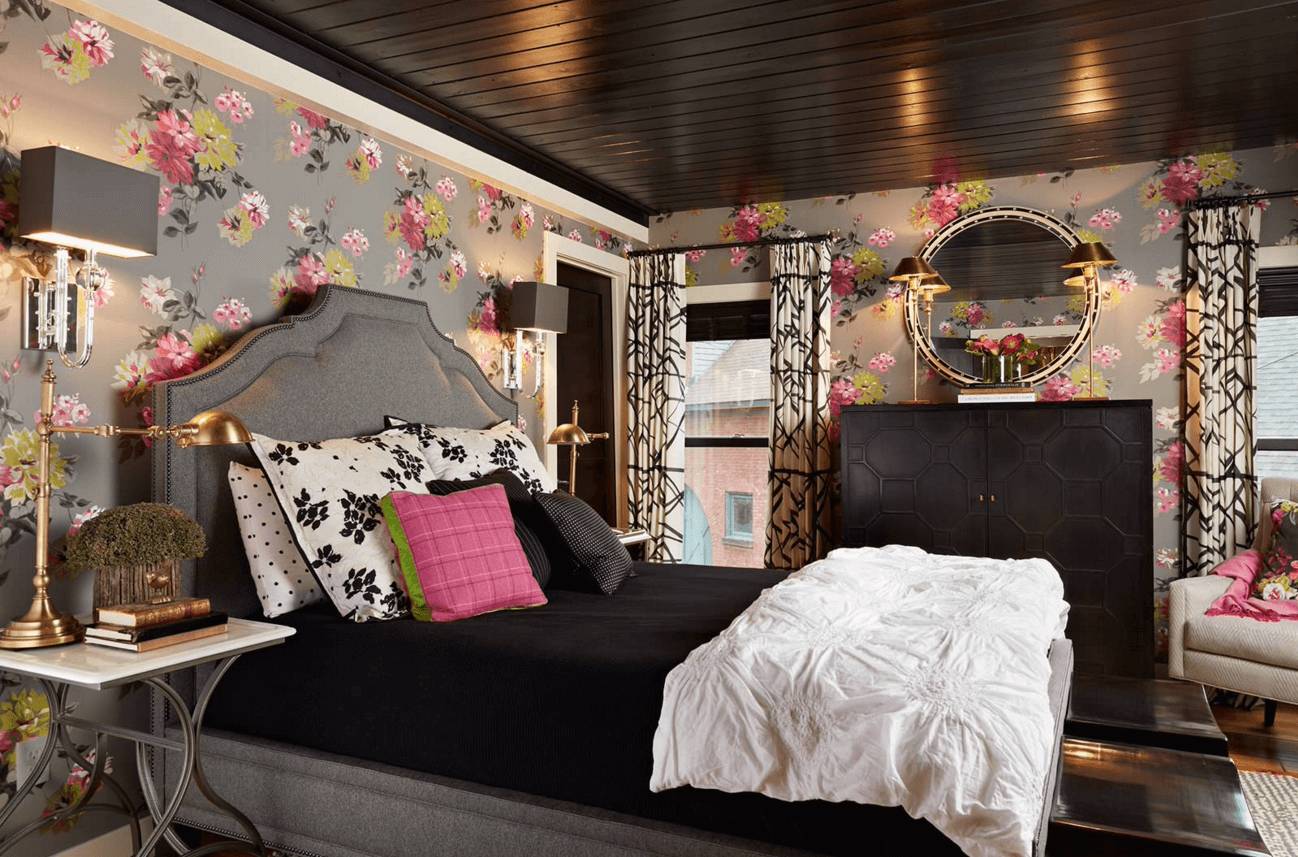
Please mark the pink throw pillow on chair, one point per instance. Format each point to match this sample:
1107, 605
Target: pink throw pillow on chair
459, 554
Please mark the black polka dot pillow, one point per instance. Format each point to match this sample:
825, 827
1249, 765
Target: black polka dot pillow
284, 582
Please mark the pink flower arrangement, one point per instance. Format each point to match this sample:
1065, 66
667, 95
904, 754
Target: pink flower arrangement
355, 242
1060, 388
233, 103
232, 314
881, 237
446, 188
882, 362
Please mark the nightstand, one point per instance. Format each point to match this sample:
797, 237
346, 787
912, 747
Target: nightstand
98, 668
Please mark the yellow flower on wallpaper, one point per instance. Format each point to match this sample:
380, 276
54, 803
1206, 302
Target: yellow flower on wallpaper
1088, 235
341, 272
219, 151
438, 223
1081, 379
26, 712
976, 194
205, 338
1217, 168
869, 264
773, 214
18, 466
131, 139
235, 227
870, 389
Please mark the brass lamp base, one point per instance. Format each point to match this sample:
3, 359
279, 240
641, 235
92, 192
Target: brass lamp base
27, 633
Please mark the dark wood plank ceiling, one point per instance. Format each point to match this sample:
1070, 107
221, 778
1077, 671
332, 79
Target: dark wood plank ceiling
695, 103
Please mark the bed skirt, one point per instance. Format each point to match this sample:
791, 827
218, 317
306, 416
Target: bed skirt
318, 804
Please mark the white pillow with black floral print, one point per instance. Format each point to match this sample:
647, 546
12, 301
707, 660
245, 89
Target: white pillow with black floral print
460, 453
329, 492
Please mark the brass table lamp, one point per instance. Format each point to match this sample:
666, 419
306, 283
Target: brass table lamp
573, 436
42, 625
1087, 258
916, 274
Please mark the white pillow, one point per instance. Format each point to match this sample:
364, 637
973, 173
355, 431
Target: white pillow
460, 453
284, 582
330, 492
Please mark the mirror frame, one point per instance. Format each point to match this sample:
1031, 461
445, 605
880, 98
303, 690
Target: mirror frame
1052, 224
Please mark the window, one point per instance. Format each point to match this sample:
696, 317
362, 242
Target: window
1277, 369
727, 425
739, 517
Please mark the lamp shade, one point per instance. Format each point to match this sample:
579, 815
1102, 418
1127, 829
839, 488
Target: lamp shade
912, 267
214, 428
935, 286
73, 200
539, 306
1090, 253
568, 434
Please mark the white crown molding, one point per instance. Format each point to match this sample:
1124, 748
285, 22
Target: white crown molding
1278, 256
176, 31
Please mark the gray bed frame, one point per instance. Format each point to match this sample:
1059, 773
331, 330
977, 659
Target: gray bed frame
335, 371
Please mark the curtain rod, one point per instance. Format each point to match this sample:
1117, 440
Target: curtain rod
1219, 201
825, 236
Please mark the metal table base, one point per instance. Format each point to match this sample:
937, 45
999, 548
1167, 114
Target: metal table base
160, 808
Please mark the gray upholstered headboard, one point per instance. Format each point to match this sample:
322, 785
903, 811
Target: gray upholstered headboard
333, 371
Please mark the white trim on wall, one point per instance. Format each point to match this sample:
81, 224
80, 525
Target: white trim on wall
1278, 256
558, 248
727, 293
160, 24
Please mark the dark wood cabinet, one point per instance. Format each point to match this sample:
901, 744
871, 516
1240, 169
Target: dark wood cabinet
1068, 482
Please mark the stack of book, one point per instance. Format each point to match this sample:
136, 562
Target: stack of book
996, 395
145, 627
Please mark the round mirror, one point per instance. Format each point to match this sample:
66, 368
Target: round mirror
1004, 266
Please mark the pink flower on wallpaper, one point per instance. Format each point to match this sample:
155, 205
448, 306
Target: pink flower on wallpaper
233, 103
1108, 355
173, 357
882, 237
882, 362
446, 188
1124, 280
156, 65
484, 209
487, 318
1168, 218
1105, 219
301, 142
1172, 327
404, 262
842, 275
603, 238
355, 242
164, 200
371, 151
232, 314
944, 204
1170, 466
748, 223
316, 121
493, 193
311, 273
1166, 360
254, 204
1060, 388
458, 265
736, 256
68, 410
94, 39
412, 222
695, 256
1182, 182
172, 143
80, 519
1168, 498
835, 306
975, 315
841, 394
11, 105
575, 235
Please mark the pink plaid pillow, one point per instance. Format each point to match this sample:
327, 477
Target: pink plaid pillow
459, 554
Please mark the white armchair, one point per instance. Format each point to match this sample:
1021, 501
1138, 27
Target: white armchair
1230, 652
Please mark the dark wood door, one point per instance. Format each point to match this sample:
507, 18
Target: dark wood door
584, 366
1072, 485
915, 477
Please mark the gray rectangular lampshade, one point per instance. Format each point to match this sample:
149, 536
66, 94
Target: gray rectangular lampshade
539, 306
73, 200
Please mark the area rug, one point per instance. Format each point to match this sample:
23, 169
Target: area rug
1271, 799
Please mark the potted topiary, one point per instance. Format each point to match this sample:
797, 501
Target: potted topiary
137, 551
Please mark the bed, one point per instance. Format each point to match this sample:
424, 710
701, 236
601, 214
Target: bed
513, 733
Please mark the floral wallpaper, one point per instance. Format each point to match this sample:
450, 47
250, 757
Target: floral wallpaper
263, 201
1135, 209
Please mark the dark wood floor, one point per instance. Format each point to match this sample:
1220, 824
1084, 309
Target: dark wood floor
1253, 746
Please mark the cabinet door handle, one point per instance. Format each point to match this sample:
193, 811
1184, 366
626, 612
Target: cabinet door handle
981, 498
993, 498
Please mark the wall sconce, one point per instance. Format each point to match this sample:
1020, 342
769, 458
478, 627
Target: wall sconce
541, 308
71, 200
918, 275
1087, 258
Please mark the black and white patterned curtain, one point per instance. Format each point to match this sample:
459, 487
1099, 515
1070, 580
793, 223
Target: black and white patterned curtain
656, 404
798, 530
1221, 298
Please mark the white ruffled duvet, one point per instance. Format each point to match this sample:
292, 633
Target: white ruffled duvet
884, 676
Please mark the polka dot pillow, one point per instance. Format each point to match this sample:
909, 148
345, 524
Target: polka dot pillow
283, 581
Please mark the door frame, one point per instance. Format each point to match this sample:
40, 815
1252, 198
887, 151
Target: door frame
557, 248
